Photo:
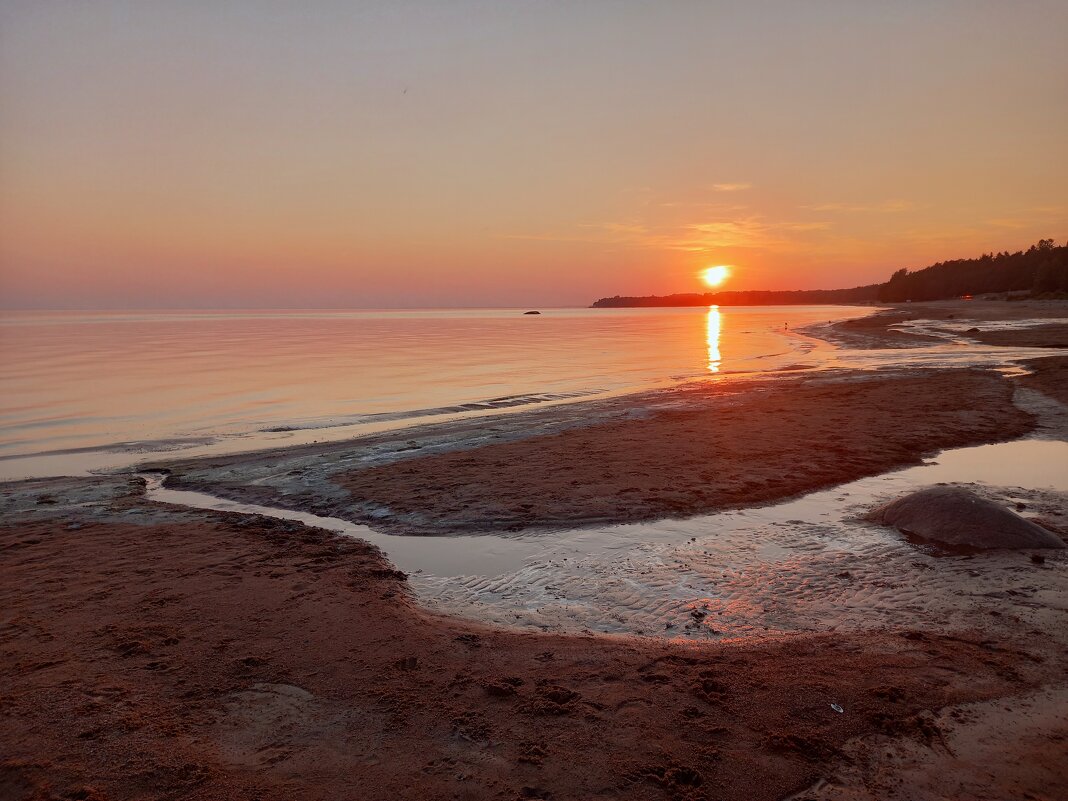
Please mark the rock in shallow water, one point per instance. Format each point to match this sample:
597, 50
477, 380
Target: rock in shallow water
955, 517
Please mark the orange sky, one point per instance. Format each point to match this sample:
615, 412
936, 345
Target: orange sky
404, 154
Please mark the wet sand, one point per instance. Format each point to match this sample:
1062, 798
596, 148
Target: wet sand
989, 322
1049, 376
991, 749
778, 440
876, 331
1052, 335
158, 654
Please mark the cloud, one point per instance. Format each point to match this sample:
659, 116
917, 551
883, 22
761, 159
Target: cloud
623, 230
887, 206
731, 187
1008, 222
740, 232
1030, 217
747, 232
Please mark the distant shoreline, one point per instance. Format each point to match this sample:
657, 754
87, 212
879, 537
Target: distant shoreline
669, 302
1039, 272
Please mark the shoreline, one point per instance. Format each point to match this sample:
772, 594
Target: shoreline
879, 327
211, 655
346, 479
675, 455
319, 477
592, 359
889, 327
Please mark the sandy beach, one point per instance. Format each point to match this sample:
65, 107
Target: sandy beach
668, 455
1049, 376
533, 401
155, 651
772, 441
1023, 323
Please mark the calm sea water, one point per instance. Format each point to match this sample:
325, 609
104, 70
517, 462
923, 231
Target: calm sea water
85, 390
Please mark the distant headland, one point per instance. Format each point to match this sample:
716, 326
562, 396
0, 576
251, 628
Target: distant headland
1040, 271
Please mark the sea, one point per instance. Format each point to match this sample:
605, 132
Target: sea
83, 391
94, 391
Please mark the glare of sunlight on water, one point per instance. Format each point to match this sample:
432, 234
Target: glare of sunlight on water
712, 337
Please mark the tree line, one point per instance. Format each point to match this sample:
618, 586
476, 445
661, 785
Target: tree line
860, 294
1041, 270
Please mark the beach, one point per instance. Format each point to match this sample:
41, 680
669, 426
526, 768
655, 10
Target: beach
159, 650
172, 654
533, 401
675, 455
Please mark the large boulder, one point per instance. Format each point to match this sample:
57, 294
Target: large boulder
957, 518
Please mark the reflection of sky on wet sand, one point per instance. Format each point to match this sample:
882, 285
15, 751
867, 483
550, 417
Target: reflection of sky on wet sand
802, 565
806, 564
712, 328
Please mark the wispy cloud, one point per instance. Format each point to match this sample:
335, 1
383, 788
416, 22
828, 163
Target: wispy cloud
887, 206
1008, 222
1030, 216
597, 233
748, 232
740, 232
731, 187
622, 230
1050, 211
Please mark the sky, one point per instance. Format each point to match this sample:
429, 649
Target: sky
249, 153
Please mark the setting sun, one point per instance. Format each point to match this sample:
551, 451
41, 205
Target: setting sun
714, 276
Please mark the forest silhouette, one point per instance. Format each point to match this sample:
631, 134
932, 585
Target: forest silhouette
1040, 271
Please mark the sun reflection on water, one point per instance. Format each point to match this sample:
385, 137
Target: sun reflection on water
714, 358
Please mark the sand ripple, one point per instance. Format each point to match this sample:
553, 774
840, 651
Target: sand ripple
730, 584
